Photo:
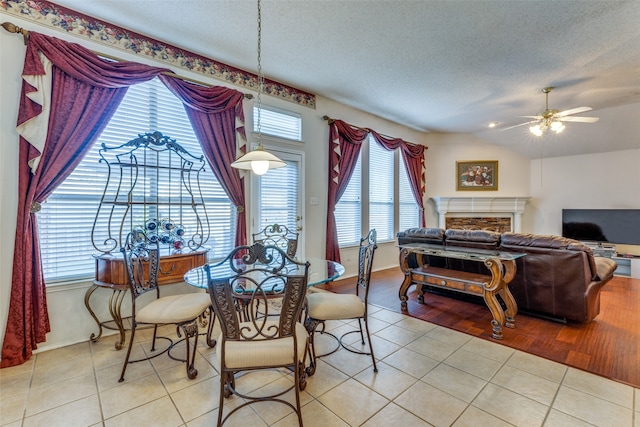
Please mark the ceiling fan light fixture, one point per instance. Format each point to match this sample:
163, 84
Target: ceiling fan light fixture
536, 130
553, 120
557, 126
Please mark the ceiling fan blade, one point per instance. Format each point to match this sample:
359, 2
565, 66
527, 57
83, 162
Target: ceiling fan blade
580, 119
521, 124
532, 117
573, 111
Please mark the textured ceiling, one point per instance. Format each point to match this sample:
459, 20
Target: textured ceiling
435, 66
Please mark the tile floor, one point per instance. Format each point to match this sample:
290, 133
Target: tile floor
428, 376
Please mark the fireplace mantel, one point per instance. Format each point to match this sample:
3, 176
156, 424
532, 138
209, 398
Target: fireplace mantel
483, 205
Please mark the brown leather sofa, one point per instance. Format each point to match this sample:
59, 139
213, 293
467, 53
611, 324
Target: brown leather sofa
559, 278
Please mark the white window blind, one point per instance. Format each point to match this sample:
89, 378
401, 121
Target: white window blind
409, 211
66, 219
348, 212
278, 194
381, 190
277, 122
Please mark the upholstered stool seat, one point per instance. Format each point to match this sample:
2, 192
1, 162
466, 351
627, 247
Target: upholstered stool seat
260, 352
174, 308
330, 306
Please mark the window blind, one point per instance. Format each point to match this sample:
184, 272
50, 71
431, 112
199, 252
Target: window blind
381, 190
277, 122
278, 194
67, 217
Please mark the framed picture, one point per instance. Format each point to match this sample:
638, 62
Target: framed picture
477, 175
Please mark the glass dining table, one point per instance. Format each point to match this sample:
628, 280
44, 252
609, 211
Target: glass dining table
320, 271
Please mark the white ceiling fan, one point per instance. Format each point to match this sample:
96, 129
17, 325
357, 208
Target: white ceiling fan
552, 119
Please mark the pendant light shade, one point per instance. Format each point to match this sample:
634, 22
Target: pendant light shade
258, 161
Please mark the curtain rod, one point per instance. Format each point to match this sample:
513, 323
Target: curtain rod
12, 28
330, 120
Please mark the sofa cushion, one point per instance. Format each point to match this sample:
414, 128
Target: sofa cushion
432, 236
478, 239
422, 235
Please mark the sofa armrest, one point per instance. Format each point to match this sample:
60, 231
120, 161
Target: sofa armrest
604, 268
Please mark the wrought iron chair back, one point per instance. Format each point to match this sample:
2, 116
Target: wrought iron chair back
368, 246
142, 264
278, 235
253, 339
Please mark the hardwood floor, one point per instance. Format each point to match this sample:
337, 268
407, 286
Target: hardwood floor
609, 346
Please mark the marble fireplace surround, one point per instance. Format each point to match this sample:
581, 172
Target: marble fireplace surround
511, 207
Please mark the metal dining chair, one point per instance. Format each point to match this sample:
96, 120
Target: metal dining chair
278, 235
324, 306
260, 340
142, 261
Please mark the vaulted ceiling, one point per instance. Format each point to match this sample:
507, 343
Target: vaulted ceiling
434, 66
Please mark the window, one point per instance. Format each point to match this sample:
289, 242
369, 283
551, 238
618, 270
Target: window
277, 122
376, 192
66, 219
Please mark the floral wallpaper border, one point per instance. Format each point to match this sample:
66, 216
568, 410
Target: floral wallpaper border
63, 19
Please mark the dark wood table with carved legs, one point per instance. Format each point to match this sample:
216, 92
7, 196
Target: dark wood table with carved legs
500, 265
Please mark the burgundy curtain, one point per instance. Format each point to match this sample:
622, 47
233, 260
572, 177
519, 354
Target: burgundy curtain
413, 158
84, 93
214, 112
345, 142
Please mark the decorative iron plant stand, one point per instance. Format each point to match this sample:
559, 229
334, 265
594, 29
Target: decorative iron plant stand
152, 184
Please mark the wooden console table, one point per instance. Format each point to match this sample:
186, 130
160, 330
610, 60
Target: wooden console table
501, 268
111, 274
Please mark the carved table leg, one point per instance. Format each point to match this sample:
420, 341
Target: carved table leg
115, 304
404, 266
87, 296
505, 293
489, 294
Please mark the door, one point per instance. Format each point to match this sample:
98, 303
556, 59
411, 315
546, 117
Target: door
278, 196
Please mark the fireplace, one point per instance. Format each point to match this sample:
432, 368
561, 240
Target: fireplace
500, 214
498, 224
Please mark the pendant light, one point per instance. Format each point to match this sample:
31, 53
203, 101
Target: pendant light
259, 161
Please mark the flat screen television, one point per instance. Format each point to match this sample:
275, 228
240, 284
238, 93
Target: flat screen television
614, 226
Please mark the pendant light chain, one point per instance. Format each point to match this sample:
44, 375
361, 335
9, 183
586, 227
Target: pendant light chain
260, 76
258, 161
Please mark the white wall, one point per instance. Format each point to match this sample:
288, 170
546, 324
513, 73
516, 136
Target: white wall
592, 181
444, 150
